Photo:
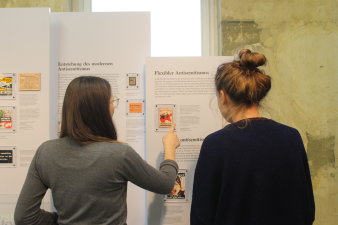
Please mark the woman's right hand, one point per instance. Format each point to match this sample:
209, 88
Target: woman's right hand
170, 143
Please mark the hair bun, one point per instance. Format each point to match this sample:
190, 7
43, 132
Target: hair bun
251, 60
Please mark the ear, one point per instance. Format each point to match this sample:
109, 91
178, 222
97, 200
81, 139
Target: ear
223, 97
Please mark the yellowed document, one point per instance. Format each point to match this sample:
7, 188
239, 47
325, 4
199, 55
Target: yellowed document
29, 81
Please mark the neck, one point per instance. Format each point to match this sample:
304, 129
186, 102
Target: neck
250, 112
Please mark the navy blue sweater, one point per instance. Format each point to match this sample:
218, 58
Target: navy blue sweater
253, 173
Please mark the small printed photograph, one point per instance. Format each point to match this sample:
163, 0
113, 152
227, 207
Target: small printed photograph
165, 116
132, 80
29, 81
135, 107
178, 193
7, 118
7, 156
7, 82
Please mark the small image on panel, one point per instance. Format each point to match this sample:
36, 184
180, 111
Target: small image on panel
7, 156
135, 107
165, 116
132, 80
7, 117
7, 84
178, 193
29, 81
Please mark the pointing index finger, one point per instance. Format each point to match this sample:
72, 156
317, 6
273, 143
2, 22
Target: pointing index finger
172, 128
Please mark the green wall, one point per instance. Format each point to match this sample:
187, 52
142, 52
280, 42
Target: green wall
300, 41
55, 5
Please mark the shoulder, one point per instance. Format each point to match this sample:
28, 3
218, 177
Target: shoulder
68, 145
219, 134
258, 129
216, 138
50, 145
278, 133
283, 128
51, 142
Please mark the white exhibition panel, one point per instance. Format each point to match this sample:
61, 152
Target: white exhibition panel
113, 46
25, 63
42, 52
179, 90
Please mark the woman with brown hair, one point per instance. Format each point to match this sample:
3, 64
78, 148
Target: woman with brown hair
87, 169
254, 171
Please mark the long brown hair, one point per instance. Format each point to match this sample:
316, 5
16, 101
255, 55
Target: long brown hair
85, 112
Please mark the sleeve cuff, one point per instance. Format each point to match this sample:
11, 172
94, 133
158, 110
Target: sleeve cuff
169, 162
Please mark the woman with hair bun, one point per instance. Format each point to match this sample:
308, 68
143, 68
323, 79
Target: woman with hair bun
254, 171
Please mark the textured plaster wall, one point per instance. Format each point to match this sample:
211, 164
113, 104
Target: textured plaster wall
300, 41
55, 5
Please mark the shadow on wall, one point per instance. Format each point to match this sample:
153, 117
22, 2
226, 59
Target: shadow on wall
320, 152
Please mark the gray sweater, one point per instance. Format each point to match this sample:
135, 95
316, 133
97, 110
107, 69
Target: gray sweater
88, 182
